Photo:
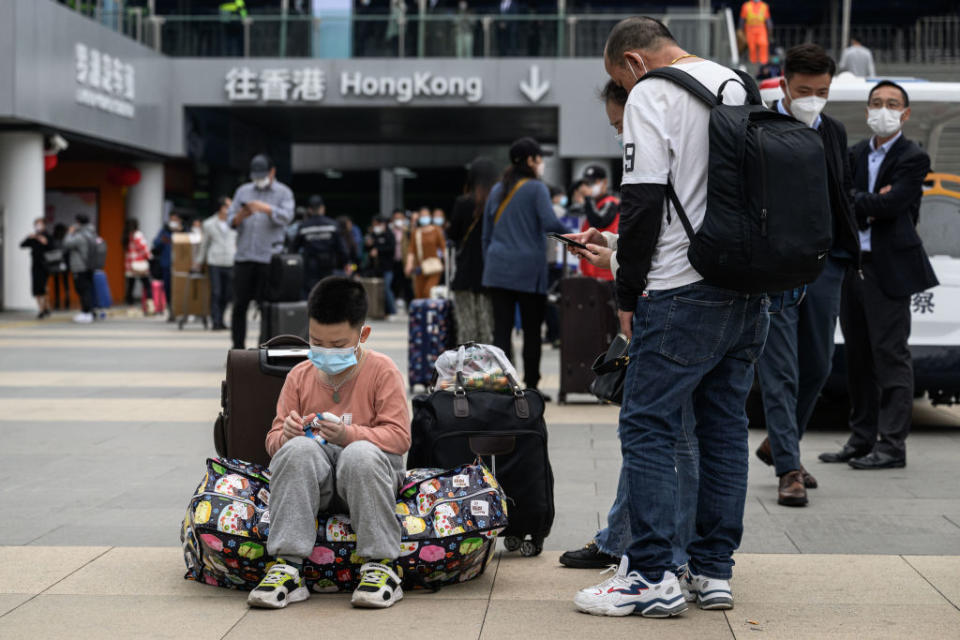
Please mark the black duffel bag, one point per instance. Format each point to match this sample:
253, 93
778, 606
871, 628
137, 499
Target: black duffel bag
611, 371
508, 431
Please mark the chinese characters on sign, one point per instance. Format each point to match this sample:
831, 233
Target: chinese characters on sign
922, 302
275, 85
104, 82
243, 84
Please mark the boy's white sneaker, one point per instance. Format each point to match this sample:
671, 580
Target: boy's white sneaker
710, 593
281, 586
629, 593
379, 586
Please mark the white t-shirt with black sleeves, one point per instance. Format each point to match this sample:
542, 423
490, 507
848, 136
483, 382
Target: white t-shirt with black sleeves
666, 136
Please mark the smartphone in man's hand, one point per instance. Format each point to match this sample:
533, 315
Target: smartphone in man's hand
567, 241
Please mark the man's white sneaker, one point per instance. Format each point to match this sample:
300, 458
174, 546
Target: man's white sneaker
629, 593
281, 586
83, 318
711, 593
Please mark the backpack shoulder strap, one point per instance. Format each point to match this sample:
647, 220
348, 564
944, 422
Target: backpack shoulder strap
749, 85
686, 81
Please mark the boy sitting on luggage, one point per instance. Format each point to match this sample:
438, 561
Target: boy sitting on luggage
359, 460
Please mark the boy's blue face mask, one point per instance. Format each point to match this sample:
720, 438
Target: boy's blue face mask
333, 361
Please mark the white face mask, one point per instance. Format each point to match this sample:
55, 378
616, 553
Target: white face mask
262, 183
806, 109
884, 122
630, 66
596, 190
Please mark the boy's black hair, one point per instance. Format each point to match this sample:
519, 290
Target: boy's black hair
82, 218
808, 59
890, 83
337, 299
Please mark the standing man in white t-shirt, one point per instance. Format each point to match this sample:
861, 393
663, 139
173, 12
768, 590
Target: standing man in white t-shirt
690, 338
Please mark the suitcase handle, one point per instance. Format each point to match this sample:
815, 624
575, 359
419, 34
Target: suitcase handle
300, 347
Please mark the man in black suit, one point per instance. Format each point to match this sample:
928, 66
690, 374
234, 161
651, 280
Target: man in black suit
798, 354
888, 173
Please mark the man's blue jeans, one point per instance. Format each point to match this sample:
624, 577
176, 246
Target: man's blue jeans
796, 363
702, 342
613, 540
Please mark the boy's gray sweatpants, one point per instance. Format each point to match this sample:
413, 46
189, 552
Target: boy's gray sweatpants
306, 478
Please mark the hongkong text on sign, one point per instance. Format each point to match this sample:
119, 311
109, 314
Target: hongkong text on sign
406, 88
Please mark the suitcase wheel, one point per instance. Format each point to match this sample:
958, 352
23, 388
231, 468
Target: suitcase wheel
530, 548
511, 543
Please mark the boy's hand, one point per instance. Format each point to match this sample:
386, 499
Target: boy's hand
332, 432
292, 426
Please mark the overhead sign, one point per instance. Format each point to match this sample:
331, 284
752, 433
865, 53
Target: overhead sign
104, 82
242, 84
532, 88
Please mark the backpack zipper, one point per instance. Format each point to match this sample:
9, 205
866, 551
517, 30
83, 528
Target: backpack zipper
763, 183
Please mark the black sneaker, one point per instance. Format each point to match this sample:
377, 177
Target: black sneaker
589, 557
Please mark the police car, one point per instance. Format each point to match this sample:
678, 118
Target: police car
935, 330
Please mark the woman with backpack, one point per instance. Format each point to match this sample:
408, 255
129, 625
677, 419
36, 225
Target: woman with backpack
516, 220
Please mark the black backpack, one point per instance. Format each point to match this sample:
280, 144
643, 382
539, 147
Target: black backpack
768, 223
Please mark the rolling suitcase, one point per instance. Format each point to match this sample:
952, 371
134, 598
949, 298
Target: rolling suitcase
248, 396
376, 297
283, 318
588, 324
509, 432
431, 332
101, 291
285, 280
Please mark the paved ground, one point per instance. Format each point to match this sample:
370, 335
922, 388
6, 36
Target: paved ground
105, 429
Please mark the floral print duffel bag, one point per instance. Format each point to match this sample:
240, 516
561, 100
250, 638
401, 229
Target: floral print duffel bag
449, 518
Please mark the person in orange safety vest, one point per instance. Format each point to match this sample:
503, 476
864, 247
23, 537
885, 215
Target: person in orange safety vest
756, 22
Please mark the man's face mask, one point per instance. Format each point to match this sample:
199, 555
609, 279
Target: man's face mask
884, 122
262, 183
806, 109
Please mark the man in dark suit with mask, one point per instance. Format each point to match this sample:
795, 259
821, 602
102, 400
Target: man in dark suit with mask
888, 173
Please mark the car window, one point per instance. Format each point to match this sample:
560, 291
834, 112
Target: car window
939, 225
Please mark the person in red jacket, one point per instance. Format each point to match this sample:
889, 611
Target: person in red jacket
602, 212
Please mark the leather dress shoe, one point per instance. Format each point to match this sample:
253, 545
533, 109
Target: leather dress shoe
846, 454
878, 460
792, 493
808, 480
764, 453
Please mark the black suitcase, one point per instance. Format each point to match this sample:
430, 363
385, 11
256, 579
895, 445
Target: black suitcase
588, 324
248, 396
283, 318
508, 431
285, 281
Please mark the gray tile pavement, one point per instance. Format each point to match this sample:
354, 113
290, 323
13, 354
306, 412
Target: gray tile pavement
134, 456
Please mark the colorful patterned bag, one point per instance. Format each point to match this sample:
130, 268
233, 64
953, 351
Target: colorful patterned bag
450, 520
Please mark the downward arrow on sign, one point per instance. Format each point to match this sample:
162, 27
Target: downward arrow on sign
534, 89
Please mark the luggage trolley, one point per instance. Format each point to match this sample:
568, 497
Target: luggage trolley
195, 302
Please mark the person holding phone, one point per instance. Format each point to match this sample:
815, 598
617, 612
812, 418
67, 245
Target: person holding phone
260, 210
